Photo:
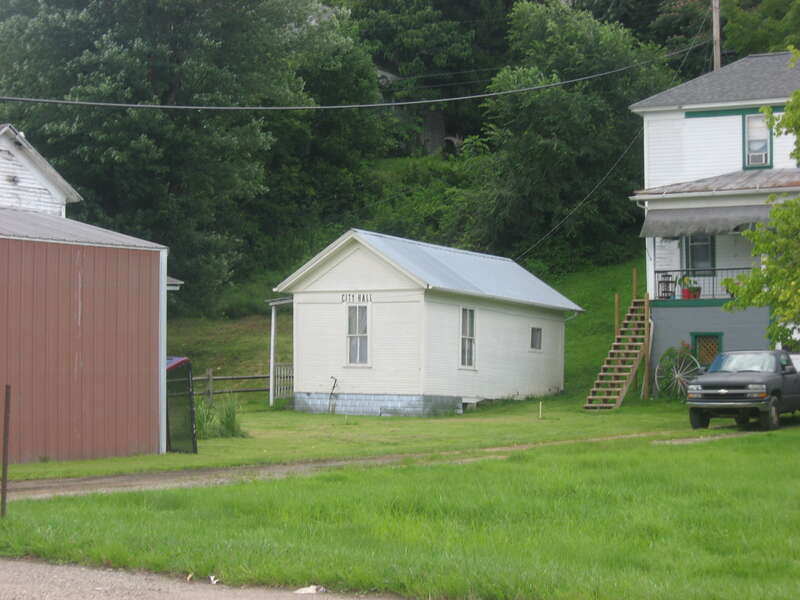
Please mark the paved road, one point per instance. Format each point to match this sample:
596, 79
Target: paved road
32, 580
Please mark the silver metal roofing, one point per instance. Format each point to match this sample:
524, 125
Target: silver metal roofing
25, 225
461, 271
753, 78
738, 181
675, 222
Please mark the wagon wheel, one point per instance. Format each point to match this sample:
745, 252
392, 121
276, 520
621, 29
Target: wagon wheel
674, 371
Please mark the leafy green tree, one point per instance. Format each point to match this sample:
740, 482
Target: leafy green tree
200, 182
777, 283
766, 26
552, 146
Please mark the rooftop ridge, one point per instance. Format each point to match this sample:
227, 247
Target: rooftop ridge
437, 246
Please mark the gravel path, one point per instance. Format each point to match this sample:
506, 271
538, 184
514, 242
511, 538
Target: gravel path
33, 580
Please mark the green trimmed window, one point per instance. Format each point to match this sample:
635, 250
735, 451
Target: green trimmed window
757, 142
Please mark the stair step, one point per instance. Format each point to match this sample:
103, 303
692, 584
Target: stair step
599, 405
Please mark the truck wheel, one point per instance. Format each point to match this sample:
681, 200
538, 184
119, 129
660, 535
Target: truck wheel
699, 418
770, 418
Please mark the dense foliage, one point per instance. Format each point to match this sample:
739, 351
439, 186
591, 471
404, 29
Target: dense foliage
762, 26
777, 283
243, 197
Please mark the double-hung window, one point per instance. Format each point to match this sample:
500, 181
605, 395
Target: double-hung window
536, 338
756, 142
468, 337
699, 254
357, 335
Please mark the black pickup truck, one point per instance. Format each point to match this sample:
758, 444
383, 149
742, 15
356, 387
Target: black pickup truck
744, 385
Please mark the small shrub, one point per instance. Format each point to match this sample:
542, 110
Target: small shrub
219, 420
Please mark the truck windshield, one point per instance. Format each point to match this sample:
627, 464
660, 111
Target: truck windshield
731, 363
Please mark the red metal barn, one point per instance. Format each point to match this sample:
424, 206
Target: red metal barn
82, 322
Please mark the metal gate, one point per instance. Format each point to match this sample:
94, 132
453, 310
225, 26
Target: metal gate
181, 427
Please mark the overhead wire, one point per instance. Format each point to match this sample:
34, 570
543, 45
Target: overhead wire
613, 167
315, 107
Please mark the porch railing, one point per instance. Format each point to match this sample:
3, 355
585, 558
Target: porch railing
690, 284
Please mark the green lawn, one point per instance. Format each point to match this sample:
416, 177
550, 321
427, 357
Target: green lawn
623, 519
240, 347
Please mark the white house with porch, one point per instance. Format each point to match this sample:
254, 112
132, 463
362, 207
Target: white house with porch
385, 325
711, 164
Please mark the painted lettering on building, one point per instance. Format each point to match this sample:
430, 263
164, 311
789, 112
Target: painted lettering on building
356, 298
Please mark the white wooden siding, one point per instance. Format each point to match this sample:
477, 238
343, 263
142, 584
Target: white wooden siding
782, 147
505, 365
732, 251
320, 343
355, 267
678, 149
21, 185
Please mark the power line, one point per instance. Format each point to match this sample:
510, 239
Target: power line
124, 105
608, 173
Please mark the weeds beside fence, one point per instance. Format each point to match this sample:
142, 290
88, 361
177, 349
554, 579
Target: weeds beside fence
217, 419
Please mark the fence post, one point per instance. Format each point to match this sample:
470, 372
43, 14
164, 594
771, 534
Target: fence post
634, 284
210, 387
6, 428
616, 315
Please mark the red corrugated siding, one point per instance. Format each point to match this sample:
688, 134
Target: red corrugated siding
79, 346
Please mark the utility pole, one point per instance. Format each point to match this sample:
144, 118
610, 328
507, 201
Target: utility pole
717, 47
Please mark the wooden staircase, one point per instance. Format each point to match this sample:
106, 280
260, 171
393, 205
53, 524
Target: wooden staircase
630, 348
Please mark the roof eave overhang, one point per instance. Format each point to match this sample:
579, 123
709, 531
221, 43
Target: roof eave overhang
150, 248
507, 300
713, 193
709, 105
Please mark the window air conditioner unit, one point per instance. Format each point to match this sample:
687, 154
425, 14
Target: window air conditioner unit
756, 158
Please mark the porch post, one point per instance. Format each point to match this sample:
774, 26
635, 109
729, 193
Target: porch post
272, 355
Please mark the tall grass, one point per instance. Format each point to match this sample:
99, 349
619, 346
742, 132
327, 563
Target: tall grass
220, 420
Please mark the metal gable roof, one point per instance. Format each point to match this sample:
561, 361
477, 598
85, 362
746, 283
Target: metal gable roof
461, 271
755, 78
24, 225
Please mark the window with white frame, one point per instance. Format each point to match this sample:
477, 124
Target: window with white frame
467, 337
757, 138
357, 335
536, 338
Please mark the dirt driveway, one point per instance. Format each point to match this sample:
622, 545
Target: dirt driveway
33, 580
45, 488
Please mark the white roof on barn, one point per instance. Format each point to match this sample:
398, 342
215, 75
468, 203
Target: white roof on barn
25, 225
452, 270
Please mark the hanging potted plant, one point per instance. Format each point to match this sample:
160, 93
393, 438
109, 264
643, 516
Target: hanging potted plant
689, 288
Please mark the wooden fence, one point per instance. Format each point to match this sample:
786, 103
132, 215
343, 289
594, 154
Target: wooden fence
284, 383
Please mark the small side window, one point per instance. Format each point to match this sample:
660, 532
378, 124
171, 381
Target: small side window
467, 337
536, 338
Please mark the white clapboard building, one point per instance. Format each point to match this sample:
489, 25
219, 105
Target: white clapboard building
385, 325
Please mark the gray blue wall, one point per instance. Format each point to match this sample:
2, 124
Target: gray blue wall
742, 330
378, 404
